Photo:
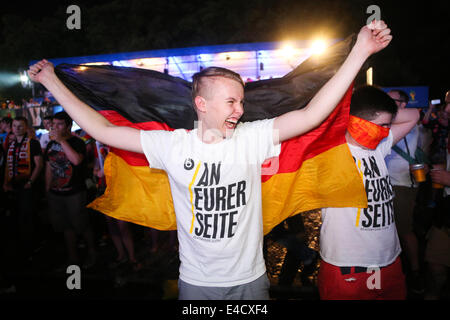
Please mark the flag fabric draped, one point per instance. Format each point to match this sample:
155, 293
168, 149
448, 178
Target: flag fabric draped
315, 170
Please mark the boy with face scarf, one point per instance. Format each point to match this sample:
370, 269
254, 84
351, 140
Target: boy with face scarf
359, 246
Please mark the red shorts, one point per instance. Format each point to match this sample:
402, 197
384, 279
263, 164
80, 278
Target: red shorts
357, 283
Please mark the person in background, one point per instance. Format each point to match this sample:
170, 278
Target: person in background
65, 176
6, 128
120, 231
437, 120
398, 162
24, 164
291, 235
357, 242
437, 254
45, 138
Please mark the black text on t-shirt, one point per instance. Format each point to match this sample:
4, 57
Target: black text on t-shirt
216, 206
380, 209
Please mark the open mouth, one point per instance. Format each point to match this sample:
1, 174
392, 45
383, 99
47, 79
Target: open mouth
231, 123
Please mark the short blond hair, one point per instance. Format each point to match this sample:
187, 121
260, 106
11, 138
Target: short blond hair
210, 72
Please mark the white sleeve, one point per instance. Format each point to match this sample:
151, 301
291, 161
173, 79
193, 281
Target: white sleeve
44, 140
156, 144
386, 144
261, 136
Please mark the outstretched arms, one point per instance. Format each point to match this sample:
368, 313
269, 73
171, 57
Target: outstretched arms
371, 39
95, 124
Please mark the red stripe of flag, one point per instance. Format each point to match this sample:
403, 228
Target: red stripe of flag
329, 134
132, 158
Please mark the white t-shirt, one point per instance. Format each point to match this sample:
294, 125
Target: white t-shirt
44, 140
398, 167
216, 191
365, 237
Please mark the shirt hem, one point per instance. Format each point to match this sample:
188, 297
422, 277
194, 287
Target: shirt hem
223, 284
360, 264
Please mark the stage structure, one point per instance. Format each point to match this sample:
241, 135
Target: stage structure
253, 61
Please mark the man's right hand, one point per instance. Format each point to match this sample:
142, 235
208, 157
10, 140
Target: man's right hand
120, 137
40, 70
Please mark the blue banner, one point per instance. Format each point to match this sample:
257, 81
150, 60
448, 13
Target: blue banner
418, 96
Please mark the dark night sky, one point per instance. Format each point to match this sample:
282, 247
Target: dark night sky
417, 55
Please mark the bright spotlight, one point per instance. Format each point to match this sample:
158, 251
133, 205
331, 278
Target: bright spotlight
26, 83
288, 51
23, 78
318, 46
8, 79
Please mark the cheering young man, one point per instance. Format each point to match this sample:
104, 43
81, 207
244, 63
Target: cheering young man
215, 169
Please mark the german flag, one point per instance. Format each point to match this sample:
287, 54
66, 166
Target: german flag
315, 170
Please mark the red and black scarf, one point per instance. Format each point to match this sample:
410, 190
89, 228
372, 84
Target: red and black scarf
18, 167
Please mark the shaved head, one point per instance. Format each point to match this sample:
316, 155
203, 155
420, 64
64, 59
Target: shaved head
204, 81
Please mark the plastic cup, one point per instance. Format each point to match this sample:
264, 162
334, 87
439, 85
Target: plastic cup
437, 185
418, 171
437, 167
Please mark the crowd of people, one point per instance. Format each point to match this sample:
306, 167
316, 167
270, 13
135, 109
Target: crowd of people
7, 104
58, 172
420, 224
65, 161
365, 253
75, 177
33, 109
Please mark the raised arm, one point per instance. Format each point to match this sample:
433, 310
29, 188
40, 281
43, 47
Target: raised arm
91, 121
371, 39
403, 123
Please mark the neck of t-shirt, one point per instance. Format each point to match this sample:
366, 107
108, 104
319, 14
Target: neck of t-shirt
209, 136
